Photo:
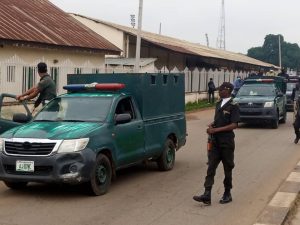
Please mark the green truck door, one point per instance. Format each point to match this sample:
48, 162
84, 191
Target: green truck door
8, 108
129, 137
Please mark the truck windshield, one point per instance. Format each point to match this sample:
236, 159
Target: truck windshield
257, 90
90, 109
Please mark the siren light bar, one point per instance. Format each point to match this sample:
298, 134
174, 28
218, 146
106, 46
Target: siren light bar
94, 86
262, 80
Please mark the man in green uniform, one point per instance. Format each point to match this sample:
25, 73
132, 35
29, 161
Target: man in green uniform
46, 88
225, 121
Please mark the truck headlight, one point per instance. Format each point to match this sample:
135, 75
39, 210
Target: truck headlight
73, 145
1, 144
269, 104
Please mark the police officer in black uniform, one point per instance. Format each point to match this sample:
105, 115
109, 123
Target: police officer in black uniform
295, 97
225, 121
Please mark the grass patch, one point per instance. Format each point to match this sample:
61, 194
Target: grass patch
201, 104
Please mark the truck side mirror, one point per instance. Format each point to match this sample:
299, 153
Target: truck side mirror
123, 118
21, 118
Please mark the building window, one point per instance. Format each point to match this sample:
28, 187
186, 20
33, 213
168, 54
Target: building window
11, 73
77, 70
96, 70
54, 73
28, 77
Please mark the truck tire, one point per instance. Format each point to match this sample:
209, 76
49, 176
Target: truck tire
15, 185
101, 176
275, 122
284, 116
167, 158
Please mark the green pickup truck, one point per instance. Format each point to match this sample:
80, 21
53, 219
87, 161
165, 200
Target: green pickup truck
104, 123
263, 99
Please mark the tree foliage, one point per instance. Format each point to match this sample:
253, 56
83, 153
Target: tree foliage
269, 52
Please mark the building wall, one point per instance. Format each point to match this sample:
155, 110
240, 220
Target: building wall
18, 66
111, 34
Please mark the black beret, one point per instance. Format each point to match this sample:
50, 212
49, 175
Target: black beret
42, 67
226, 85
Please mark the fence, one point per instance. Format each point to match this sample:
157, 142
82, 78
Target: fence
16, 76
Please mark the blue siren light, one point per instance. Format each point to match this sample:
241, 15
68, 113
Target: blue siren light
94, 86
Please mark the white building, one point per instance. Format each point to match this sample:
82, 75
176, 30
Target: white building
39, 31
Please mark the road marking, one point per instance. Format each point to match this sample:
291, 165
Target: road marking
294, 177
263, 224
283, 199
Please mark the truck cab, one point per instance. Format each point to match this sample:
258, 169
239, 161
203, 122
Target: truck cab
104, 123
263, 99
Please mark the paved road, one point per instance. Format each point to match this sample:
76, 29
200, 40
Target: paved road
144, 196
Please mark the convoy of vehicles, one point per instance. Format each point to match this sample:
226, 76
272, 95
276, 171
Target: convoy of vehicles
262, 99
86, 135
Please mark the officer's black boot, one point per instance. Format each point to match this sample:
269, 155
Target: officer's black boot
226, 197
297, 138
205, 198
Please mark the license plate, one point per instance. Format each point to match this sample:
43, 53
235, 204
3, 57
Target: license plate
25, 166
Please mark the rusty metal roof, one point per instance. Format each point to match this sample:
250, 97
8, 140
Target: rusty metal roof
39, 22
183, 46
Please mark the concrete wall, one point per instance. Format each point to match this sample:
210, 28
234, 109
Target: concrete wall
65, 62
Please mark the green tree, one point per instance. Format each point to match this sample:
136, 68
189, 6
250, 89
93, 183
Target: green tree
269, 52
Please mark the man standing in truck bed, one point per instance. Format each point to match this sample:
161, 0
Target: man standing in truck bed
225, 121
45, 88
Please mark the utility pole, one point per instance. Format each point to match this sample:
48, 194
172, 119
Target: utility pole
221, 33
279, 47
160, 28
138, 39
207, 41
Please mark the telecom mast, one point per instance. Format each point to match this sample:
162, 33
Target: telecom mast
221, 32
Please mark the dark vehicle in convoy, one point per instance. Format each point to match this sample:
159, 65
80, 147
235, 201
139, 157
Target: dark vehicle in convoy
86, 135
262, 99
291, 84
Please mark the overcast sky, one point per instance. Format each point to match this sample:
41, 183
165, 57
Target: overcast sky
247, 22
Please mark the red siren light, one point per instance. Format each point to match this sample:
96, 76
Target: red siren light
110, 86
95, 86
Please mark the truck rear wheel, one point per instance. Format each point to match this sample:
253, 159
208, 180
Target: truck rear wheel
15, 185
167, 159
101, 176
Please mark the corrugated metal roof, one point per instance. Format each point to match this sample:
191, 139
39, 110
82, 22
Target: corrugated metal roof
40, 22
185, 47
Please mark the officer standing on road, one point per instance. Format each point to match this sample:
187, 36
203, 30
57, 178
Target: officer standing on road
225, 121
295, 98
211, 91
45, 88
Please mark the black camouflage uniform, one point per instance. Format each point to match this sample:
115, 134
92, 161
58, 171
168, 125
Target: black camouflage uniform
223, 144
225, 120
295, 98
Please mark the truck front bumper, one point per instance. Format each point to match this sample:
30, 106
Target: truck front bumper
257, 114
69, 168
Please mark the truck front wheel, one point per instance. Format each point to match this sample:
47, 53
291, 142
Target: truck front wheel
101, 176
167, 158
275, 122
